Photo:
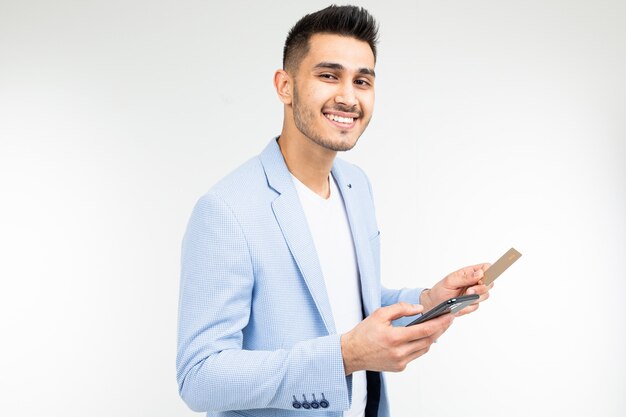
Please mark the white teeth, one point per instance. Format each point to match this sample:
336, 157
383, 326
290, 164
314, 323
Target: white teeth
340, 119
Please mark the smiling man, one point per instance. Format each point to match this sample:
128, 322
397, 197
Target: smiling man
329, 98
282, 310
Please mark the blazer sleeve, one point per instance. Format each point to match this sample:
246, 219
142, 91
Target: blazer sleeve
214, 372
407, 295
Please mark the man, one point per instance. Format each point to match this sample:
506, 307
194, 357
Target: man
280, 302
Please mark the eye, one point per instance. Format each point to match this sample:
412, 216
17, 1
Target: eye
363, 82
328, 76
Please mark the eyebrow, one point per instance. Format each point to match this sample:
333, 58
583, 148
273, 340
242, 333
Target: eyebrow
339, 67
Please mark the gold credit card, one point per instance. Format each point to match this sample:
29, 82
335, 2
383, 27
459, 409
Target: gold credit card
500, 266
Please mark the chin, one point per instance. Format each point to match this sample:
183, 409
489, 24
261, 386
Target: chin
330, 139
339, 146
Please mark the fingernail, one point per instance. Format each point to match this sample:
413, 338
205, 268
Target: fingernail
471, 291
478, 273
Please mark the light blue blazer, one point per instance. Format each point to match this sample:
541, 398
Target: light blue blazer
256, 334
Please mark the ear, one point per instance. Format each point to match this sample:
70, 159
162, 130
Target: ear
284, 85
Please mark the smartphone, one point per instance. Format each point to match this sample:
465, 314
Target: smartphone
449, 306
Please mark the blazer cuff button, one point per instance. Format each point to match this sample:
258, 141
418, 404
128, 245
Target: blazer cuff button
305, 404
296, 404
324, 403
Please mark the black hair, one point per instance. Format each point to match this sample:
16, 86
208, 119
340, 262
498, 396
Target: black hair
350, 21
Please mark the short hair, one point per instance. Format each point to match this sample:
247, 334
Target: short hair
349, 21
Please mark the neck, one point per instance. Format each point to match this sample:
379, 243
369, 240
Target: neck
307, 161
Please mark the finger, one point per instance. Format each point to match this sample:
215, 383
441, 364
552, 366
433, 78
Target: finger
478, 267
426, 329
418, 353
466, 277
479, 289
482, 291
395, 311
425, 342
401, 365
467, 310
482, 297
413, 346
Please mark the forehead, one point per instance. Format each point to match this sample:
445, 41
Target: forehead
345, 50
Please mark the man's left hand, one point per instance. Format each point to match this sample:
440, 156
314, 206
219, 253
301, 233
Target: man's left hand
466, 280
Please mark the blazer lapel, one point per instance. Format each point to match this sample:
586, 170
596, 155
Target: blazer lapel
294, 226
370, 287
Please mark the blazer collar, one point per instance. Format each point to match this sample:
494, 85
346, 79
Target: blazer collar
370, 286
294, 226
276, 171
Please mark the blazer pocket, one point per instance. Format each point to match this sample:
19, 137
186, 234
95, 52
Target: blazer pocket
375, 248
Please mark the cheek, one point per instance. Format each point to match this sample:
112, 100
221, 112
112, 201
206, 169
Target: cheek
368, 102
321, 94
307, 99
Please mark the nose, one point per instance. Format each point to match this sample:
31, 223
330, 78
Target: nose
346, 95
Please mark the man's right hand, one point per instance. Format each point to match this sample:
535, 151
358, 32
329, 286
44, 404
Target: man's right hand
375, 345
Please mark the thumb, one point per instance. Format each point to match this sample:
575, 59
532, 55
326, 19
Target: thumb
402, 309
467, 276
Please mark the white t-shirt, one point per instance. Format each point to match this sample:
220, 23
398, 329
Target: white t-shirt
329, 226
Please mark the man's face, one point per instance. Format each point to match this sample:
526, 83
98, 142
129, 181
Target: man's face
333, 93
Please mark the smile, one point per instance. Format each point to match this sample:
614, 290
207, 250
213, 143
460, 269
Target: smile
339, 119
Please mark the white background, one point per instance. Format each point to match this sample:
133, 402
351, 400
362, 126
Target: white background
497, 124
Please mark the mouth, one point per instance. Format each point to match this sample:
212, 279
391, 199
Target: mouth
343, 120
